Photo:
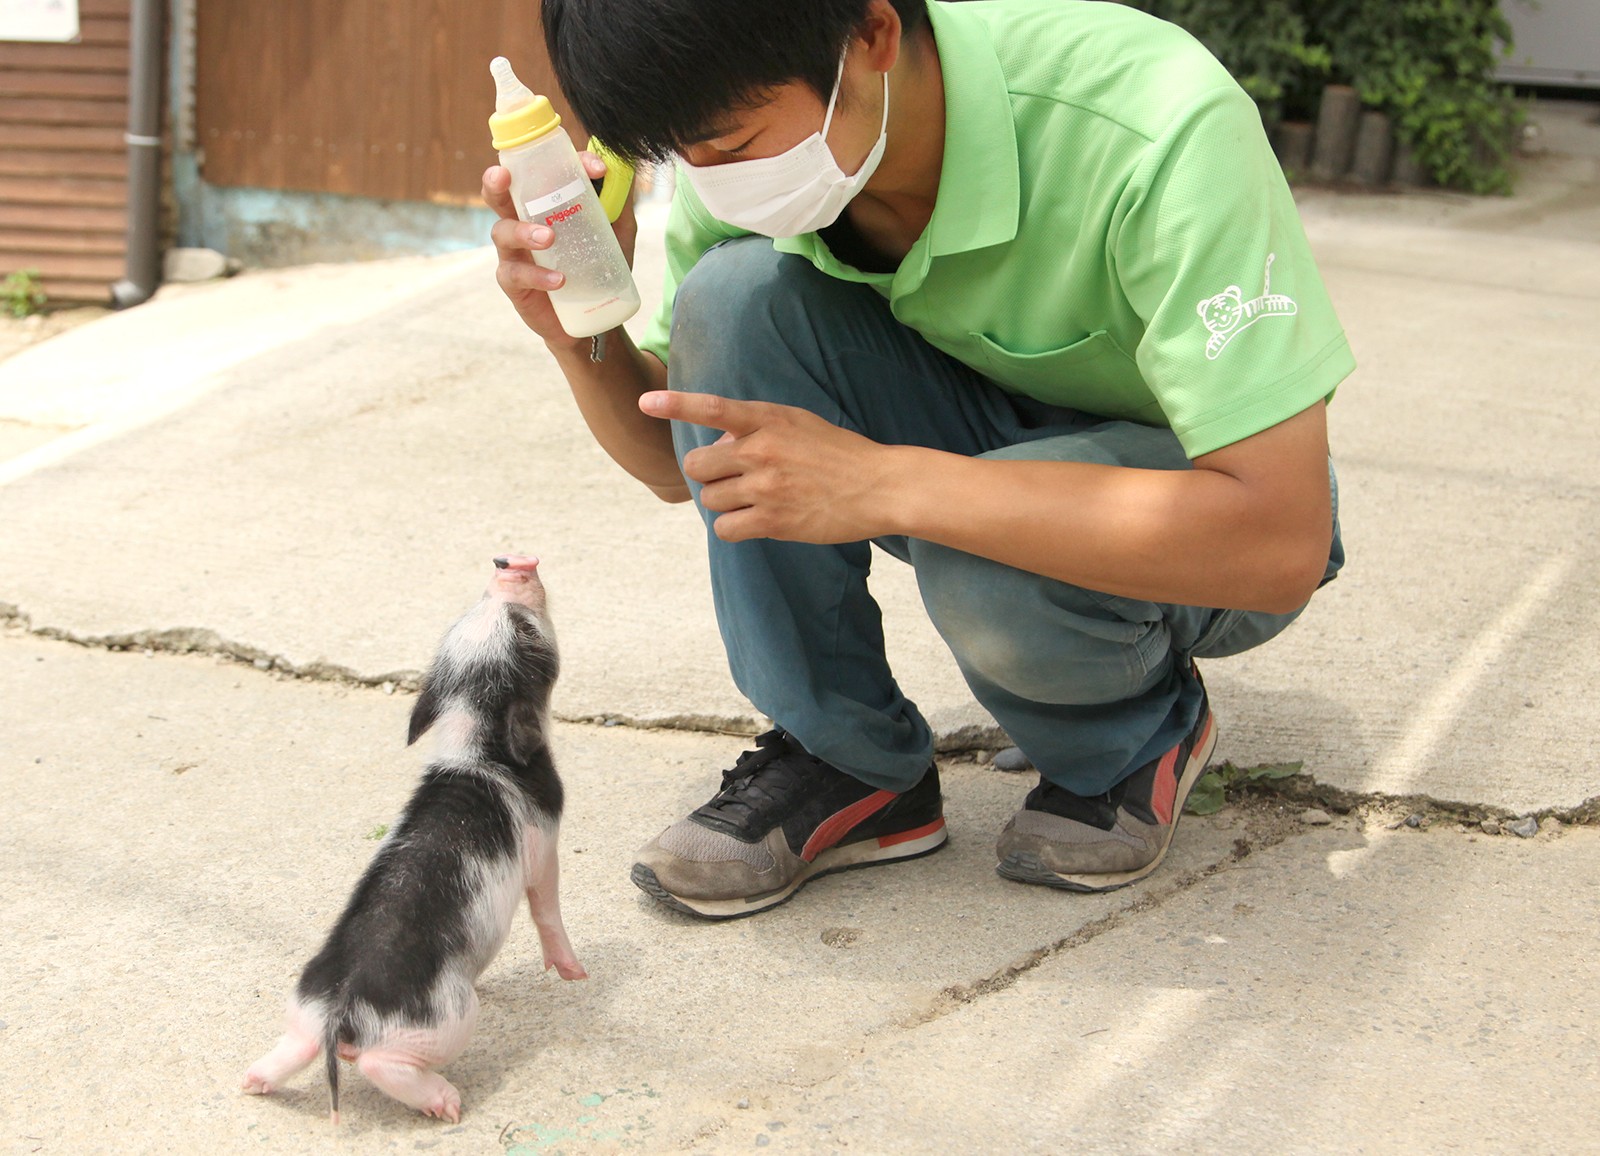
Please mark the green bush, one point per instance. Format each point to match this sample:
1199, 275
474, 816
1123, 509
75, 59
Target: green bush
21, 293
1428, 64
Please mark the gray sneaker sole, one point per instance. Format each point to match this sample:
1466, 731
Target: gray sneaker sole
850, 857
1026, 867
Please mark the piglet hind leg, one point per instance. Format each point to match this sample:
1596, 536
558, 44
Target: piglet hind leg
402, 1065
294, 1052
412, 1084
544, 904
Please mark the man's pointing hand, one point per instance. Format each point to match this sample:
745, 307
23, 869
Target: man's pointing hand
779, 471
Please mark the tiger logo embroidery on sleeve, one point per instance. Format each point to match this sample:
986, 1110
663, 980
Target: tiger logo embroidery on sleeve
1228, 314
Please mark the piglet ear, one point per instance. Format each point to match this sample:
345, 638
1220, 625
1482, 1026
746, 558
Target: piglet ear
424, 714
525, 737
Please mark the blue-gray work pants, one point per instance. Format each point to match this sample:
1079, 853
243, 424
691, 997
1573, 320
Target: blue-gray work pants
1090, 686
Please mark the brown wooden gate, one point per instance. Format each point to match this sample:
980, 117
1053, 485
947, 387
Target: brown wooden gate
374, 98
63, 161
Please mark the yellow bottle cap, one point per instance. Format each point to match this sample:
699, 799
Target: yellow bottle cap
528, 123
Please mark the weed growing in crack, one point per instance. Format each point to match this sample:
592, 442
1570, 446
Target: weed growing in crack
1210, 794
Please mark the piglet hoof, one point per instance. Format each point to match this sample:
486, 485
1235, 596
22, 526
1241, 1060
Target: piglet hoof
446, 1107
566, 968
256, 1084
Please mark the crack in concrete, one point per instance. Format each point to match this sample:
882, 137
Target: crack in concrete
205, 642
1301, 789
1266, 826
732, 725
1305, 791
1259, 836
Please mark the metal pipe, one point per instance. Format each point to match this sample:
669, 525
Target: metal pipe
144, 157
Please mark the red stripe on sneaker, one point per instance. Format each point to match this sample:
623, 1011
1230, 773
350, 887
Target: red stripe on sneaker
1165, 789
838, 825
908, 836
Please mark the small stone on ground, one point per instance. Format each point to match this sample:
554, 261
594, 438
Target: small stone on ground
1315, 818
1524, 828
1012, 760
187, 265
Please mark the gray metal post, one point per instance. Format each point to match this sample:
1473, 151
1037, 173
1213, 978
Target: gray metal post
144, 157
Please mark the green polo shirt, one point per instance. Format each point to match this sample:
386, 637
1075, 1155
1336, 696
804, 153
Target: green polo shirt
1112, 231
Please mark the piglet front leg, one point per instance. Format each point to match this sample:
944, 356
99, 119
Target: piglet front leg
544, 904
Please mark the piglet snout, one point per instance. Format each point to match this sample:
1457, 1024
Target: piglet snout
522, 562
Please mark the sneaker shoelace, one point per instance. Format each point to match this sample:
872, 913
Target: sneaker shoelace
747, 788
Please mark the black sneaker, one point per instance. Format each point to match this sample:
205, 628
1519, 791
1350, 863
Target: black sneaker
781, 819
1107, 841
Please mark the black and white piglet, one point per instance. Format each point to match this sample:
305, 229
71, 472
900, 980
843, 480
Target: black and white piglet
392, 989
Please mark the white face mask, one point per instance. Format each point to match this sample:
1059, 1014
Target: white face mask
799, 191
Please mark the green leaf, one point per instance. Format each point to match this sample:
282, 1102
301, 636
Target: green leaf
1273, 771
1208, 795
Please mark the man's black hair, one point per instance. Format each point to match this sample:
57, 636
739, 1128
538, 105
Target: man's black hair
652, 77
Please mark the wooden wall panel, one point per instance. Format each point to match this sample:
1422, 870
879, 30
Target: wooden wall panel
63, 162
376, 98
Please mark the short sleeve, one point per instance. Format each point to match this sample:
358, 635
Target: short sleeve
690, 232
1240, 333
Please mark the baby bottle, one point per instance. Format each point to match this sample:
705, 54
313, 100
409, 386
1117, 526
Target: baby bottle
549, 186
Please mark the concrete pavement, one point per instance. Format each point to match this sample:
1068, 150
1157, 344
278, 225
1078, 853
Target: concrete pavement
172, 857
183, 849
298, 478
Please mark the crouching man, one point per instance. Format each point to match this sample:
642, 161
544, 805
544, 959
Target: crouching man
1015, 290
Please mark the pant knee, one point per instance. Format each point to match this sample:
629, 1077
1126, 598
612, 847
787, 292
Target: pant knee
1034, 638
746, 313
722, 308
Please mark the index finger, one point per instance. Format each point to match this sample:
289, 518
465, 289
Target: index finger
497, 191
705, 409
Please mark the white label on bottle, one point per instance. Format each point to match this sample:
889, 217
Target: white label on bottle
539, 206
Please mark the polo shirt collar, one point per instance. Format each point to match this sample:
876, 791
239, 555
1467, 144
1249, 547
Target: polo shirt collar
979, 186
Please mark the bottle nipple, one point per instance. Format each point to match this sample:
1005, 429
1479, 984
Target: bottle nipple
510, 93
